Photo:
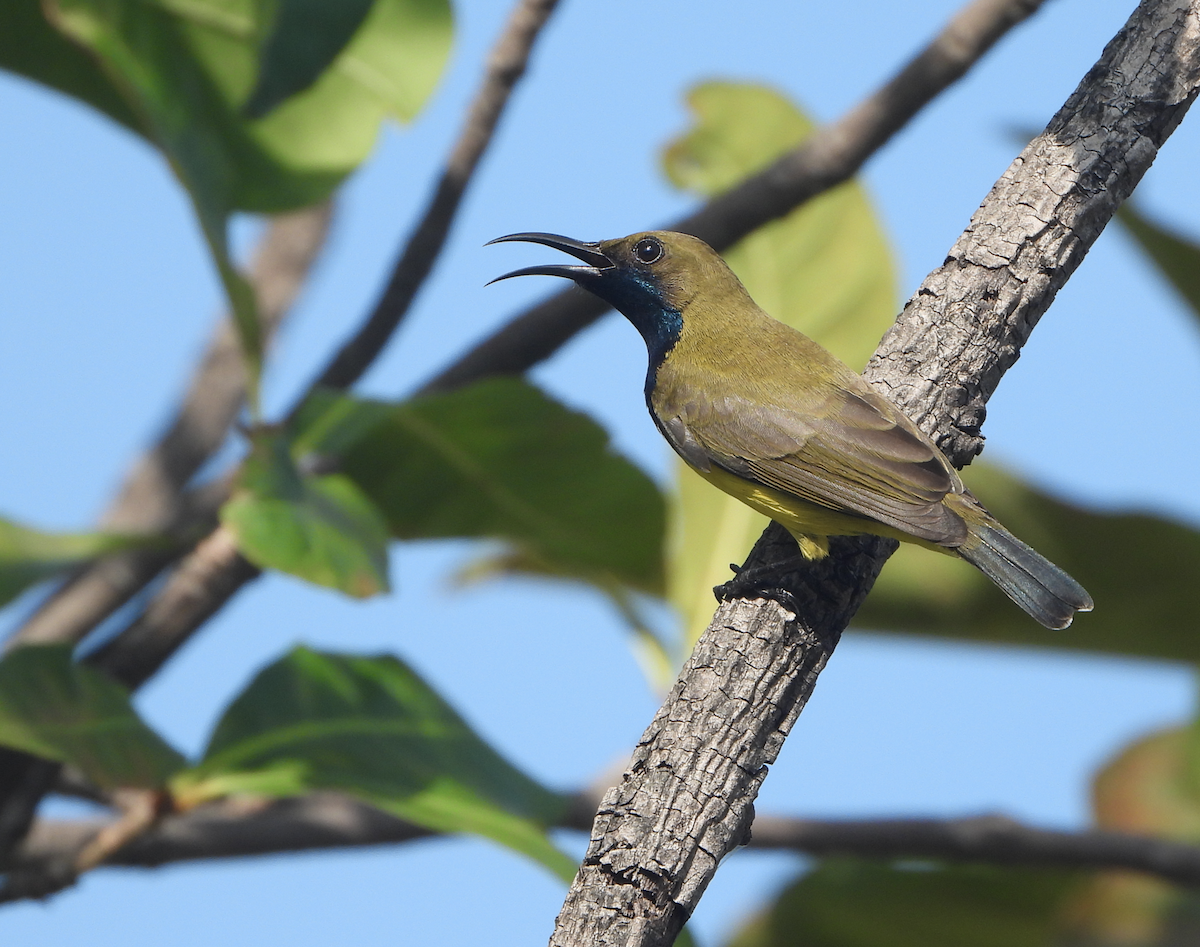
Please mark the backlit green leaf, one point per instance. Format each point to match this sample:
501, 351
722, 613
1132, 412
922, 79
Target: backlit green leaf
187, 67
372, 727
320, 528
305, 37
53, 707
849, 903
825, 269
1139, 568
501, 459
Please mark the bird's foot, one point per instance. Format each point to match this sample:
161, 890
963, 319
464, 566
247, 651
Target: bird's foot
762, 581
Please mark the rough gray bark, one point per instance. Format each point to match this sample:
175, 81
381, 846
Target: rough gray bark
687, 799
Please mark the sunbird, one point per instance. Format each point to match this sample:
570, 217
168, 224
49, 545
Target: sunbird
766, 414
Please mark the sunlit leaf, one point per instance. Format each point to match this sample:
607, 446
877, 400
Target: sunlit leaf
1175, 255
305, 37
1139, 568
185, 69
825, 269
501, 459
188, 67
848, 903
320, 528
372, 727
29, 556
53, 707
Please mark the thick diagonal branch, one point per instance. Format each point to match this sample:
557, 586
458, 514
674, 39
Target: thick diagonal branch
687, 799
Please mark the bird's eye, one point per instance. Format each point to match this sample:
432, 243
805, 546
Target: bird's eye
648, 250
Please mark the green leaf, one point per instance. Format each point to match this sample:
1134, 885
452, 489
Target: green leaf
372, 727
501, 459
305, 37
1177, 257
188, 66
1139, 568
53, 707
185, 67
826, 269
849, 903
28, 556
30, 46
320, 528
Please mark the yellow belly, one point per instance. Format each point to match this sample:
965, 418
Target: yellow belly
810, 523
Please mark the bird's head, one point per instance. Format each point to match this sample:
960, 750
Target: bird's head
651, 277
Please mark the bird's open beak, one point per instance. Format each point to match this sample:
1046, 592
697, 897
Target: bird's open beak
589, 253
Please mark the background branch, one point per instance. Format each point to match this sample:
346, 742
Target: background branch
243, 827
152, 498
687, 799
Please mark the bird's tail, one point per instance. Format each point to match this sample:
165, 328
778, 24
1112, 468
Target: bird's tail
1035, 583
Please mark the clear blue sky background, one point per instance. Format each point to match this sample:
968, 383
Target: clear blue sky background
106, 296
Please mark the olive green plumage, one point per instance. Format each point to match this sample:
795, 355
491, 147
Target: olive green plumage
767, 415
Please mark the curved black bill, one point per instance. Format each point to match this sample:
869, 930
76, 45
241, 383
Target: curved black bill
589, 253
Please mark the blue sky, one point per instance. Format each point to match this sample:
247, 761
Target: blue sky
106, 296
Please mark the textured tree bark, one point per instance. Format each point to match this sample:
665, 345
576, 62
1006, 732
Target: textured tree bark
687, 798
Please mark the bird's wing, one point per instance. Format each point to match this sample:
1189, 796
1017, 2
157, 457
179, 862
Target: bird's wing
855, 453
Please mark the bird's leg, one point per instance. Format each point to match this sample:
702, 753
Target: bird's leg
763, 580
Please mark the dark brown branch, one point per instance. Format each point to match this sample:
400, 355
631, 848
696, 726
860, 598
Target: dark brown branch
687, 799
832, 155
239, 828
506, 65
152, 498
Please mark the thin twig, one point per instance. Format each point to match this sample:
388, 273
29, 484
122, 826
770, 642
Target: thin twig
687, 799
241, 827
506, 64
832, 155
